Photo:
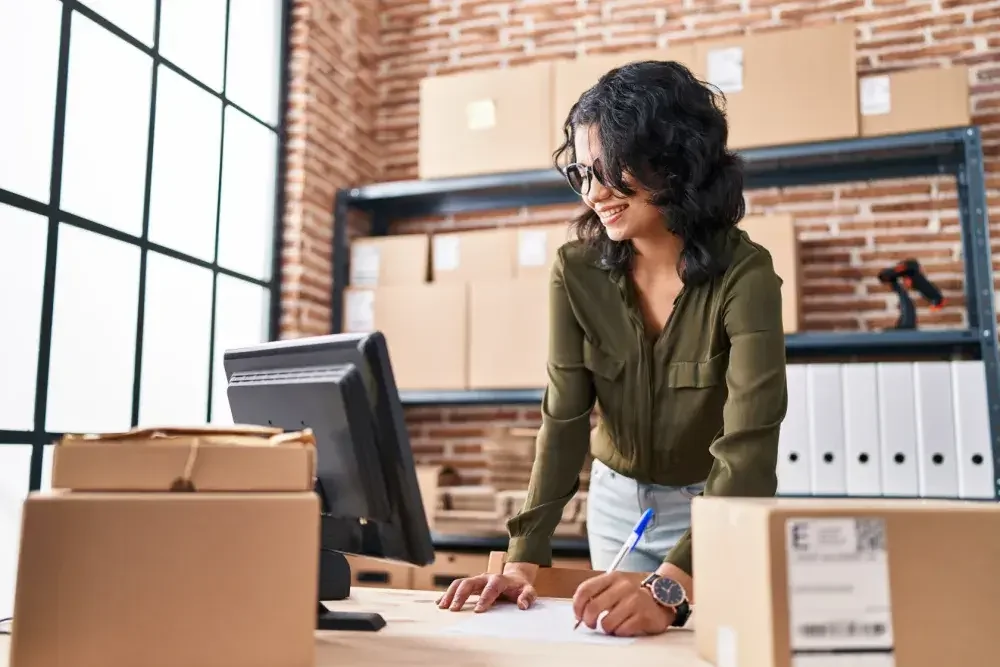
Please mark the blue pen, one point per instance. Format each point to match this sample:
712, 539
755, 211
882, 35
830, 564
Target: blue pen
629, 545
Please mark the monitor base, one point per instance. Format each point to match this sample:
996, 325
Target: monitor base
357, 621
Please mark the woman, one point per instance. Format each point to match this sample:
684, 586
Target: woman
668, 318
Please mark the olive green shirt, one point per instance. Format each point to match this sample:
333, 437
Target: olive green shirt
703, 402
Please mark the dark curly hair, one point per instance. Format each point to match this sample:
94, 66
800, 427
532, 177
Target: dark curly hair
668, 131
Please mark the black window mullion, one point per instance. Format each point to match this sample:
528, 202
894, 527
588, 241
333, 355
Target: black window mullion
51, 252
144, 245
218, 221
281, 169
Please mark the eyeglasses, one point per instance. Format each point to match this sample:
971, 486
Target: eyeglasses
579, 176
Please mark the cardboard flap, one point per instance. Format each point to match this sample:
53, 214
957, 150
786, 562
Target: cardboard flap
175, 431
196, 458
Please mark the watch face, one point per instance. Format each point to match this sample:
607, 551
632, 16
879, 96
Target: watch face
668, 592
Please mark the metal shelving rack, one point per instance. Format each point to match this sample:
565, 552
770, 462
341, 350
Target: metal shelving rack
956, 151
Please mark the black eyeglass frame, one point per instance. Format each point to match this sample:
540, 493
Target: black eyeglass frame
586, 174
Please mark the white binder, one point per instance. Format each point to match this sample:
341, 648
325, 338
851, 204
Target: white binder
826, 429
897, 429
972, 430
861, 431
793, 441
937, 465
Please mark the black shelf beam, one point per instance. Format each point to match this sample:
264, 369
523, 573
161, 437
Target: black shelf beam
896, 156
885, 344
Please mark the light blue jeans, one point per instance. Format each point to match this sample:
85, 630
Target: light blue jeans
614, 505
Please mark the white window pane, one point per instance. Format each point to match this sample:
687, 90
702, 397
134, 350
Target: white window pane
246, 217
15, 466
93, 334
193, 37
185, 186
23, 237
133, 16
107, 126
253, 64
241, 319
29, 36
176, 339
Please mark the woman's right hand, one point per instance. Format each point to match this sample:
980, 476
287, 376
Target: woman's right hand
515, 584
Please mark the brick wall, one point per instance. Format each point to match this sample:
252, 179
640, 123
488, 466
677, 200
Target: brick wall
847, 232
332, 103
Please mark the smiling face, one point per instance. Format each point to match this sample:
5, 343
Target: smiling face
624, 217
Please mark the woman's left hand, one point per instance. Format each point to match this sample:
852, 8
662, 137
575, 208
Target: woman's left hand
631, 609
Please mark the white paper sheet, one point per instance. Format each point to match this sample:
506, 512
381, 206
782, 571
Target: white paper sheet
545, 621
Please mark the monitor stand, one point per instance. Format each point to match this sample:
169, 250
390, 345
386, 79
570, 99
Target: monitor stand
335, 584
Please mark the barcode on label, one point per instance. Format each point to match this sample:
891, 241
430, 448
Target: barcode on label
843, 629
870, 535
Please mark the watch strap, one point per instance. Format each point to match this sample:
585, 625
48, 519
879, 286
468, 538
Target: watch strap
682, 614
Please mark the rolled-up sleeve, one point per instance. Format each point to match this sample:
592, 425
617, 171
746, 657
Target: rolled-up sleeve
564, 437
746, 454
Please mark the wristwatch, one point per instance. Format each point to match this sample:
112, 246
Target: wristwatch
670, 594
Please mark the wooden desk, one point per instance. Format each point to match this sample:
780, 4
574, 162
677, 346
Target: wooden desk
411, 637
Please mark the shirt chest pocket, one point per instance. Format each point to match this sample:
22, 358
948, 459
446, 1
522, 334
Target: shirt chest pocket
698, 374
698, 386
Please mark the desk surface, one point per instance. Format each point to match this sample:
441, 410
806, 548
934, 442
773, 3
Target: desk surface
412, 637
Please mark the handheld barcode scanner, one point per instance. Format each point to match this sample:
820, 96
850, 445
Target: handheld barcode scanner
904, 276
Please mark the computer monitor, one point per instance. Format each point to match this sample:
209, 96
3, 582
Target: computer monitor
342, 387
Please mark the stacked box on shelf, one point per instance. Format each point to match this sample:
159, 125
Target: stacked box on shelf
509, 317
486, 121
574, 517
425, 324
510, 453
776, 233
466, 510
785, 86
899, 101
484, 510
781, 87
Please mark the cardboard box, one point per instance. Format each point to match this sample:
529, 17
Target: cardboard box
537, 247
785, 87
482, 254
914, 100
572, 78
486, 122
857, 575
508, 334
168, 557
777, 234
425, 328
380, 261
448, 567
377, 573
572, 563
428, 477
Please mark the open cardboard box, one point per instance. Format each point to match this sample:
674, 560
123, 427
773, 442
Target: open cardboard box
177, 546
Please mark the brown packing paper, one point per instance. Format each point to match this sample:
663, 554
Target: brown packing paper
237, 458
